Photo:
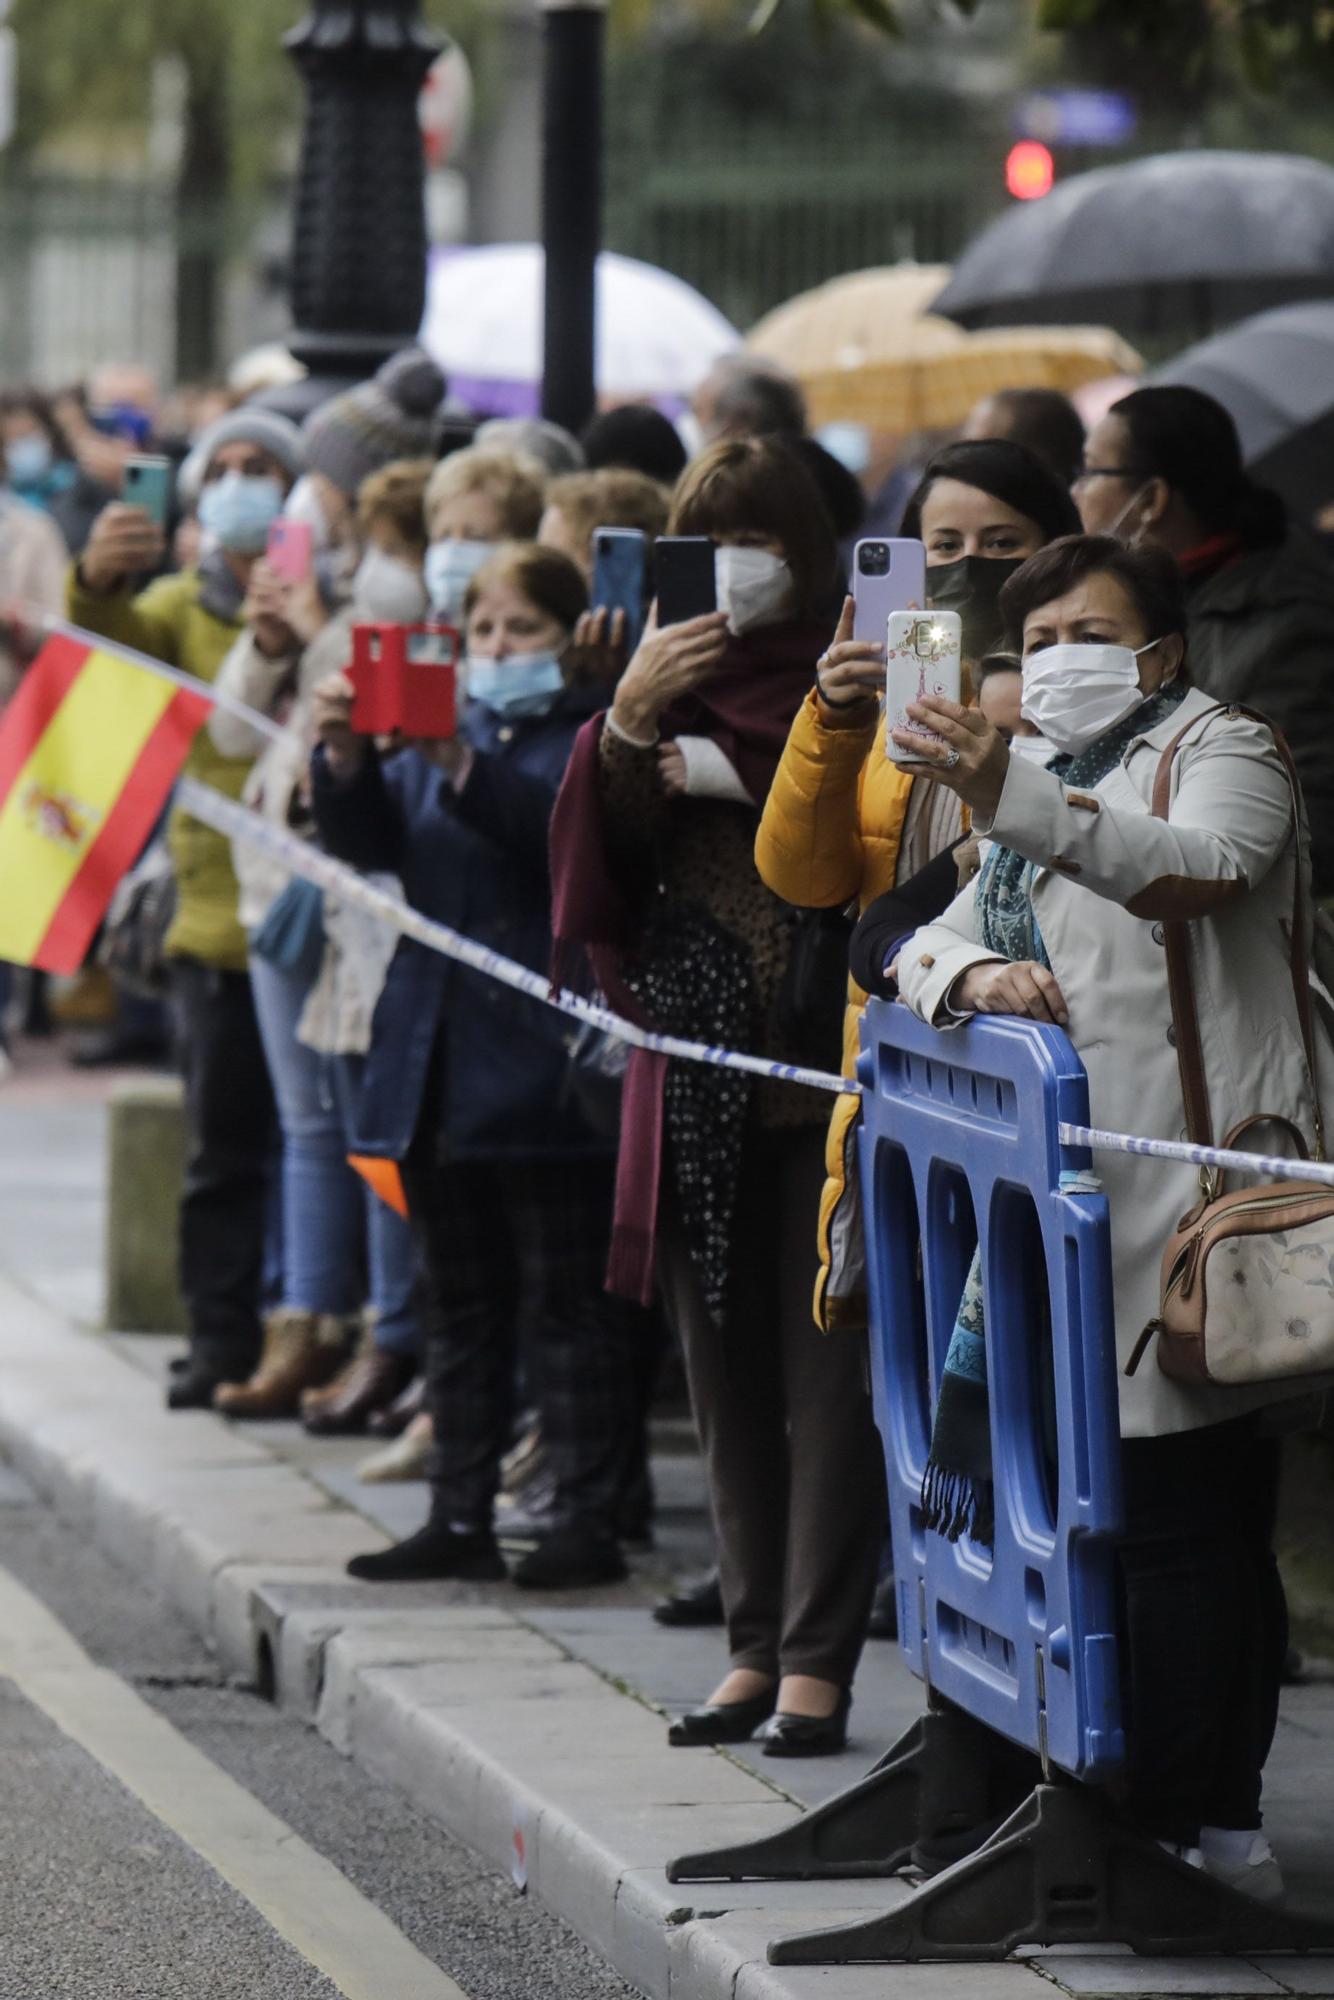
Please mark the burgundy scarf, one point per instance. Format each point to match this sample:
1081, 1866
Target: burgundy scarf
746, 707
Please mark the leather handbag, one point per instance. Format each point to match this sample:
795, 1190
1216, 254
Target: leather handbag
1247, 1276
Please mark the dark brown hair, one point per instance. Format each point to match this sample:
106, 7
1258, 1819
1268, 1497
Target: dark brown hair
758, 485
1147, 573
544, 576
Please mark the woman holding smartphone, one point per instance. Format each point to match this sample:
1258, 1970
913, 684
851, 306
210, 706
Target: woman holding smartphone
719, 1175
844, 823
466, 1085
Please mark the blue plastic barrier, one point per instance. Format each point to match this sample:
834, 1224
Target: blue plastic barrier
957, 1126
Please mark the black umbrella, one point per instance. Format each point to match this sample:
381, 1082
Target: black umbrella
1275, 374
1189, 240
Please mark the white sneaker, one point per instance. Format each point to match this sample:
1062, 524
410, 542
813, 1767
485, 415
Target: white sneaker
1244, 1861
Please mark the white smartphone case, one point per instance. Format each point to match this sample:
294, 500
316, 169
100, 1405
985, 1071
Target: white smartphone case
923, 656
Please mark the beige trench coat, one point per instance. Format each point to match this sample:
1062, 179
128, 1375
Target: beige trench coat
1107, 872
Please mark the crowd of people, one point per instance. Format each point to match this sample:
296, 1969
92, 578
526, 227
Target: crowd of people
705, 829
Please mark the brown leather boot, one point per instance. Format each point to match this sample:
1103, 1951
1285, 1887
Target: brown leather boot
301, 1350
372, 1379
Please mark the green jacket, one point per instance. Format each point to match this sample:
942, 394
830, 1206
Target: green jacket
169, 621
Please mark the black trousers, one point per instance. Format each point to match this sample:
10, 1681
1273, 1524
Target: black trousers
494, 1237
795, 1466
230, 1133
1205, 1625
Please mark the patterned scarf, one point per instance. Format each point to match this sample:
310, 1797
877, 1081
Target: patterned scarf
957, 1494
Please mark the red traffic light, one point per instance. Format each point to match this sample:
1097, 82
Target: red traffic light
1029, 170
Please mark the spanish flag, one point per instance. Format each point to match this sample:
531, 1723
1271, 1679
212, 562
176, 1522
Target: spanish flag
90, 746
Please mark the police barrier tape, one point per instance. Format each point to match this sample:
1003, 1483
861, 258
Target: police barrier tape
240, 823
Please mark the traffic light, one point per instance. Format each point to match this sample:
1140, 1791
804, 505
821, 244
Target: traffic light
1029, 170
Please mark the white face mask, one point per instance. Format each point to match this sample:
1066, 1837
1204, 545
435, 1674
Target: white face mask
450, 567
1074, 694
388, 591
753, 587
1115, 529
303, 503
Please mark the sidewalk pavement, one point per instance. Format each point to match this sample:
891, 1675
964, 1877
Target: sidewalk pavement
531, 1728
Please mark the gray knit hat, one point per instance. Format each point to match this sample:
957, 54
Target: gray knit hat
243, 425
537, 437
394, 415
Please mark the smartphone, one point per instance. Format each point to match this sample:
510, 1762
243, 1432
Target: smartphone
923, 656
620, 558
887, 575
148, 485
683, 565
405, 677
291, 549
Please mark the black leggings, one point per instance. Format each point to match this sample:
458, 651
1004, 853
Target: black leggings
1205, 1625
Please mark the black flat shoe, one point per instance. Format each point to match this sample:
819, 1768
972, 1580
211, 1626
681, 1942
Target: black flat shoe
695, 1604
722, 1722
809, 1735
191, 1388
433, 1553
571, 1558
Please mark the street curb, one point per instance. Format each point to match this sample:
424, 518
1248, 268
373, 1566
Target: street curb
489, 1726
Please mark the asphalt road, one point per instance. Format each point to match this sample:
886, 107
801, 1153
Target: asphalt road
100, 1899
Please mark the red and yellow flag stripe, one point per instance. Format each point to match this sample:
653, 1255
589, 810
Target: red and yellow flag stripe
89, 749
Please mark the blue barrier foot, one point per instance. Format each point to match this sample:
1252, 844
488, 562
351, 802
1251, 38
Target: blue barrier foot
1062, 1870
932, 1779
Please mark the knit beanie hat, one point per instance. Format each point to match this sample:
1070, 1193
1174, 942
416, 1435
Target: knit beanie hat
394, 415
246, 424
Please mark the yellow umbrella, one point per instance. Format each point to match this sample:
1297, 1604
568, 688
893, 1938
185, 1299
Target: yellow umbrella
850, 321
933, 381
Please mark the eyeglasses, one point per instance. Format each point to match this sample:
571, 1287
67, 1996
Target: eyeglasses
1106, 472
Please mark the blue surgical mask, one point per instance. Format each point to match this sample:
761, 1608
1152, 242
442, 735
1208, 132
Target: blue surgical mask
239, 509
450, 568
29, 459
521, 684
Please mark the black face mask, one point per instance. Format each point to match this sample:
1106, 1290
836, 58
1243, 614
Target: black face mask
971, 586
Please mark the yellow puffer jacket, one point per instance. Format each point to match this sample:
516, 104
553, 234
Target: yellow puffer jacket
831, 834
168, 622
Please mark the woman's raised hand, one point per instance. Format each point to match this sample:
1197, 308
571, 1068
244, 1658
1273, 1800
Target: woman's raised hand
125, 540
598, 650
960, 750
331, 713
850, 676
671, 660
1022, 988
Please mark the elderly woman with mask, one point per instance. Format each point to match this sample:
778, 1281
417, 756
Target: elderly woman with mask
1065, 925
719, 1176
314, 1008
191, 620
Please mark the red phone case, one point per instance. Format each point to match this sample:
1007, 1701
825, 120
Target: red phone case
394, 691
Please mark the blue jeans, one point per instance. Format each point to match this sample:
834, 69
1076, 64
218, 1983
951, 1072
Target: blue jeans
339, 1239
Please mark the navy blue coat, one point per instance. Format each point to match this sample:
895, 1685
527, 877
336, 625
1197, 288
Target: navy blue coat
477, 860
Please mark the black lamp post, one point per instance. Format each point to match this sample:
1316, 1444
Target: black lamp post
571, 203
358, 283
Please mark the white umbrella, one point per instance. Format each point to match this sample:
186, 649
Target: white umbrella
656, 336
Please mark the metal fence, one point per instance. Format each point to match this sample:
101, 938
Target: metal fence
91, 270
753, 221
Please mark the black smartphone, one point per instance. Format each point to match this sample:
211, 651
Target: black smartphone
683, 566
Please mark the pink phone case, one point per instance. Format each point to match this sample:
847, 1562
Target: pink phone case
290, 550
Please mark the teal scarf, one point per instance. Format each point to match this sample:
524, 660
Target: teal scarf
957, 1494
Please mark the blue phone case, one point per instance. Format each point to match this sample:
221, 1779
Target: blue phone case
619, 561
148, 485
